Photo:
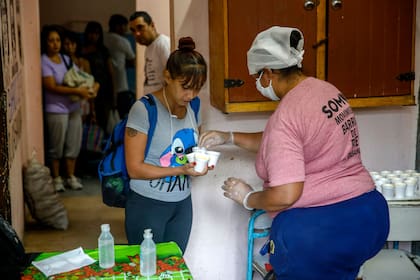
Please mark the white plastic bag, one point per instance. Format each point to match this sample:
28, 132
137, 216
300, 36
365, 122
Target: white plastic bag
43, 202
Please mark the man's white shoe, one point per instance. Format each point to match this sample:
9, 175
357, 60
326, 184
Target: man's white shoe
58, 184
73, 183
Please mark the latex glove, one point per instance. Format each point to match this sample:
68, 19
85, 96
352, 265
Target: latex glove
237, 190
213, 138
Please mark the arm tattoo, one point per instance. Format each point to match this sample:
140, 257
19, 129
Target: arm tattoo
131, 132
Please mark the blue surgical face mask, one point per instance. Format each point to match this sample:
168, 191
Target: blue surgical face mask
266, 91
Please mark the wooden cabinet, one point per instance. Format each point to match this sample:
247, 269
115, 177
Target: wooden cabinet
365, 48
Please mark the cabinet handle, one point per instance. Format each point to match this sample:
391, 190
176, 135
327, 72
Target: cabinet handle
230, 83
336, 4
309, 5
320, 43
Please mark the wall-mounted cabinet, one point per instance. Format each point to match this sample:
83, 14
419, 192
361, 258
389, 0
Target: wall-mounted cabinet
365, 48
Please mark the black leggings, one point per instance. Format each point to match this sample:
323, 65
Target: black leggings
169, 221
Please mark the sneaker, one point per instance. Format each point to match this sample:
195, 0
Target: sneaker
73, 183
58, 184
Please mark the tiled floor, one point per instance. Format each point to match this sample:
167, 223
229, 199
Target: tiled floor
86, 213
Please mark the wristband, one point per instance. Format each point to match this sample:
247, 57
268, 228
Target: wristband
245, 201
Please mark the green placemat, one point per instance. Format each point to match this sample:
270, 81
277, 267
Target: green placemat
170, 265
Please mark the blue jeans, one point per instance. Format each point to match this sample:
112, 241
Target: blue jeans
329, 242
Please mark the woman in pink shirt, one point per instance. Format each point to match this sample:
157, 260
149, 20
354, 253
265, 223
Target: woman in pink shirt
328, 219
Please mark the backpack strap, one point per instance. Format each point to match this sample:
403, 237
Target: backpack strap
150, 104
68, 64
195, 105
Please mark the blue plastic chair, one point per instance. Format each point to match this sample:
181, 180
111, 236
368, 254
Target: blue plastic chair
255, 231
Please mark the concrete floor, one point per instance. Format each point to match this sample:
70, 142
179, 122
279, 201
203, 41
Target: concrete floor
86, 212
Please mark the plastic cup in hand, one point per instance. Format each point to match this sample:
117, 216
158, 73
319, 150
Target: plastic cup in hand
400, 188
190, 157
388, 190
213, 158
197, 149
201, 161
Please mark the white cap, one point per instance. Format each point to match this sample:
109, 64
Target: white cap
147, 233
105, 227
271, 49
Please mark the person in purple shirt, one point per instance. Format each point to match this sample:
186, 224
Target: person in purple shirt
63, 121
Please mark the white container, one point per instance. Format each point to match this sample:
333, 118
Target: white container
400, 188
388, 190
397, 172
411, 187
191, 157
201, 161
213, 158
148, 254
106, 247
385, 172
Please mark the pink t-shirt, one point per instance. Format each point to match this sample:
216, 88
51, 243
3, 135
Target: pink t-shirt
313, 137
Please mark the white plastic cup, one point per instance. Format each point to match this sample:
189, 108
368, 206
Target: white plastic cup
397, 172
385, 173
392, 176
197, 149
376, 176
411, 187
213, 158
405, 175
388, 190
379, 182
201, 161
400, 188
190, 157
395, 180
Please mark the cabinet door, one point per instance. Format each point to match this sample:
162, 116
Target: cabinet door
233, 26
370, 44
246, 20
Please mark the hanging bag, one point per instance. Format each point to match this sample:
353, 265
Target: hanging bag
75, 77
93, 138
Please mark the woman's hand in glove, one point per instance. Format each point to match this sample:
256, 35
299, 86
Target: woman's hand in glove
213, 138
237, 190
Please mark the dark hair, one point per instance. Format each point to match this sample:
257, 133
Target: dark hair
115, 20
92, 27
187, 64
73, 37
295, 37
45, 32
147, 18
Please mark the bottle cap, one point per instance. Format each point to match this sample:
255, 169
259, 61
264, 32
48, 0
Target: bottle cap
148, 233
105, 227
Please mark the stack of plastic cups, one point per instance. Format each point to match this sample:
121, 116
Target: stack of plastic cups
397, 184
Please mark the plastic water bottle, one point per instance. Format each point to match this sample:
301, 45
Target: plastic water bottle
148, 254
106, 247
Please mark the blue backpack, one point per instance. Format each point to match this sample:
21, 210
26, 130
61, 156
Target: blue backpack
112, 170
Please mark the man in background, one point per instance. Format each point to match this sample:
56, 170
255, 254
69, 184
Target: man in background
157, 49
122, 56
